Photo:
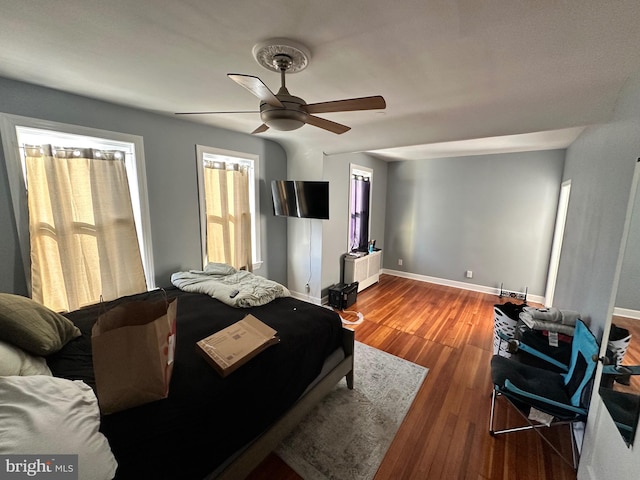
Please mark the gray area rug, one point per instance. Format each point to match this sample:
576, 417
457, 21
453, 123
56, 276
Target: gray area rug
347, 435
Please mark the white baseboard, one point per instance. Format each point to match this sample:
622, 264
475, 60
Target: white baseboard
456, 284
305, 297
625, 312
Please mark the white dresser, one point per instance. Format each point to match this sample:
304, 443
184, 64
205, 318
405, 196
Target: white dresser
364, 270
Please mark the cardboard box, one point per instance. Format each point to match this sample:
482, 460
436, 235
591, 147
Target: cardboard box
235, 345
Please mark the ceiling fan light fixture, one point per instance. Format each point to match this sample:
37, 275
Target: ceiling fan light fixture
284, 124
284, 120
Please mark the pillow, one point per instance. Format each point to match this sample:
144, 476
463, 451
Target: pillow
14, 361
214, 268
42, 415
33, 327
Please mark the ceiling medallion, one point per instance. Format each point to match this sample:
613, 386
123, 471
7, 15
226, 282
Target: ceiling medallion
269, 54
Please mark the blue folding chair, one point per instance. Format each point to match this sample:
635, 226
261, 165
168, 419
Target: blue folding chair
563, 392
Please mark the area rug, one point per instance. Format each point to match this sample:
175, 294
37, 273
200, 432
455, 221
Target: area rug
347, 435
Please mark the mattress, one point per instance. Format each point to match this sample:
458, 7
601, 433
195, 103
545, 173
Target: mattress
207, 418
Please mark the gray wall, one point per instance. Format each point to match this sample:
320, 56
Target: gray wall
169, 145
304, 251
315, 247
492, 214
336, 229
628, 296
600, 164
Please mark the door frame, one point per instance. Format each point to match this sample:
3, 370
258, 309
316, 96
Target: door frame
556, 246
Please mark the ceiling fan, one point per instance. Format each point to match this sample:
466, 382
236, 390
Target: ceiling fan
283, 111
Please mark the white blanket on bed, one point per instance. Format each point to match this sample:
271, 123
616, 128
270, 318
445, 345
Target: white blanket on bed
221, 281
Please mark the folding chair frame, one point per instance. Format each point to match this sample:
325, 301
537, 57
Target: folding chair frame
584, 349
535, 427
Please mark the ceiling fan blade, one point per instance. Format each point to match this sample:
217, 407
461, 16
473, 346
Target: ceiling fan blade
212, 113
257, 87
349, 105
260, 129
326, 124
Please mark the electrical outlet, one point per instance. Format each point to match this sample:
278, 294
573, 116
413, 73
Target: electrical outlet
400, 261
469, 274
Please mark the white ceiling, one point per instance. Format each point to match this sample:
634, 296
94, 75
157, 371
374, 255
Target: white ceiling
459, 77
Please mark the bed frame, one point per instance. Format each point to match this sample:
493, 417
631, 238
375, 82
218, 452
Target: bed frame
244, 462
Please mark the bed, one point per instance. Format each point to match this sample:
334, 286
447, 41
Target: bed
209, 426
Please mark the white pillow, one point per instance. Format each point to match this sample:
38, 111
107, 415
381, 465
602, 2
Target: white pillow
15, 361
51, 415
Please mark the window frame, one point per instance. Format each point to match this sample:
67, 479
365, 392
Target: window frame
254, 198
355, 169
136, 173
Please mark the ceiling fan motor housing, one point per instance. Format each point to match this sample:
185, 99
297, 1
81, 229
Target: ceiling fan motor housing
283, 55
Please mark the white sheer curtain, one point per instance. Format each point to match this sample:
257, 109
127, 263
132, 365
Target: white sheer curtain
228, 214
81, 225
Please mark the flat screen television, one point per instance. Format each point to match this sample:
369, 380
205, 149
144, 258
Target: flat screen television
302, 199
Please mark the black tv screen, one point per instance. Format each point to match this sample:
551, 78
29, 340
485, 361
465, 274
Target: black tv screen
302, 199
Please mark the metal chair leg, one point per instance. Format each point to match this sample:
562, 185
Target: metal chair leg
574, 448
535, 427
493, 406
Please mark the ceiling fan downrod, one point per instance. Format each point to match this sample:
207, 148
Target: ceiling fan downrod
283, 62
293, 115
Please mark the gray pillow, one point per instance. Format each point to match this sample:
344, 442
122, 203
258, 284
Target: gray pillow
33, 327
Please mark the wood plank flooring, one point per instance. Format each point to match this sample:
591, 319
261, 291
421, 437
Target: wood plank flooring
445, 433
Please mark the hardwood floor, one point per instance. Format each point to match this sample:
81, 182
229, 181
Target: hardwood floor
445, 433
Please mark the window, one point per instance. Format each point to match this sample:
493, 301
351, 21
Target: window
83, 228
359, 208
229, 208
